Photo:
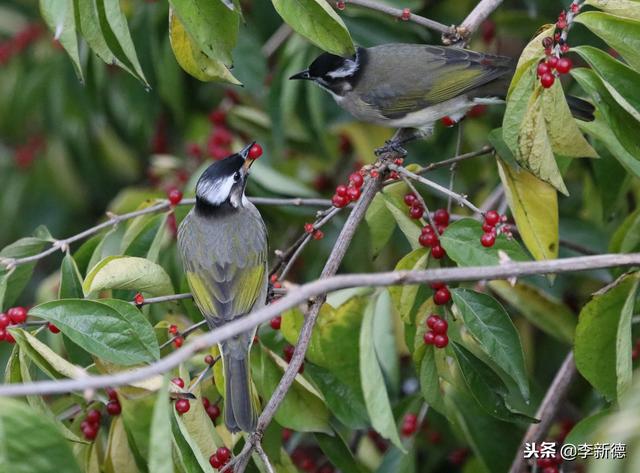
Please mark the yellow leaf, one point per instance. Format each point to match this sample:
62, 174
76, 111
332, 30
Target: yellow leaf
192, 59
534, 205
627, 8
534, 51
534, 148
566, 138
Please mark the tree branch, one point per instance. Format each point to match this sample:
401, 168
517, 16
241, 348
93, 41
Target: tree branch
316, 288
456, 159
480, 13
547, 410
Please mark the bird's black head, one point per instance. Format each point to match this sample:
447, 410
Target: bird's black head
222, 184
335, 73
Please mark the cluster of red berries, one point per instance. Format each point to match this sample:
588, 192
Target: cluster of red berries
17, 316
221, 458
25, 154
345, 194
178, 340
113, 406
91, 424
315, 233
213, 411
429, 237
549, 464
553, 47
182, 405
489, 227
19, 42
441, 296
288, 355
409, 424
437, 333
310, 460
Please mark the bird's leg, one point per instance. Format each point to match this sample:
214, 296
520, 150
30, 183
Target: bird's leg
394, 145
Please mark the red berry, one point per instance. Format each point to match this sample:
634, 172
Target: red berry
218, 117
429, 337
437, 285
3, 334
5, 320
308, 227
435, 437
221, 137
441, 229
213, 411
374, 173
409, 199
18, 315
406, 14
448, 121
339, 201
340, 5
205, 402
9, 338
487, 228
341, 190
318, 235
492, 218
440, 341
561, 24
440, 327
286, 434
552, 61
173, 329
408, 430
442, 296
564, 65
288, 352
194, 150
543, 68
93, 416
438, 252
178, 341
547, 80
441, 217
52, 328
209, 360
276, 322
427, 229
178, 382
564, 48
215, 462
550, 469
488, 239
353, 193
428, 239
488, 28
432, 319
114, 408
223, 454
255, 151
183, 406
112, 394
175, 196
416, 211
575, 7
90, 431
138, 299
356, 179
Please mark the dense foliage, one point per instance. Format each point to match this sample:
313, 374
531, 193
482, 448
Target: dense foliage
117, 105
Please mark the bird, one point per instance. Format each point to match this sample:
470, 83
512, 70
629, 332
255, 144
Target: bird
412, 86
223, 245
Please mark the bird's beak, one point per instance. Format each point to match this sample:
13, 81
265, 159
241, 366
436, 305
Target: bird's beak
244, 152
303, 75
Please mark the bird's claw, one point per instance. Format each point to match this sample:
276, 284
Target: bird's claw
391, 147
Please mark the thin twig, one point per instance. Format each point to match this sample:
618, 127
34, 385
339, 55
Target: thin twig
461, 199
265, 459
422, 202
481, 12
454, 165
276, 40
456, 159
547, 410
184, 334
323, 286
397, 13
160, 299
203, 374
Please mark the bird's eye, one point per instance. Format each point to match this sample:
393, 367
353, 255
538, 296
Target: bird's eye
236, 176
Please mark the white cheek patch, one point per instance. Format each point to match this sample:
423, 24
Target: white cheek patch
215, 192
347, 70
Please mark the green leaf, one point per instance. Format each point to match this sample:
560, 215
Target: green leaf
129, 273
461, 240
626, 238
404, 296
603, 337
430, 380
622, 34
488, 322
545, 312
115, 28
384, 341
119, 458
517, 106
410, 227
70, 279
373, 385
584, 430
192, 59
160, 458
44, 357
626, 8
534, 205
13, 282
144, 236
619, 79
31, 443
301, 410
60, 18
318, 22
486, 386
212, 26
338, 453
602, 131
273, 180
113, 330
380, 223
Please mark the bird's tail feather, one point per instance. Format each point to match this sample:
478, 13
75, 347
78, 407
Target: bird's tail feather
239, 411
581, 109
